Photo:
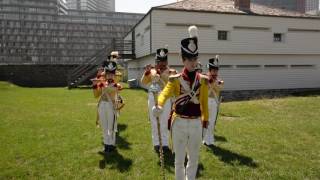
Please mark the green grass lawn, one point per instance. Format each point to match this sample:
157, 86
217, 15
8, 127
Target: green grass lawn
50, 133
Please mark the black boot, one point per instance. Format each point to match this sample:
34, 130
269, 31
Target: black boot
156, 148
112, 148
165, 149
106, 148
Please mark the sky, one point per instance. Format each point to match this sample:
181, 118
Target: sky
139, 6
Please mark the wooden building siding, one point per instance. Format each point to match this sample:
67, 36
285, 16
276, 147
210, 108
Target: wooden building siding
136, 67
250, 59
252, 72
142, 37
240, 41
128, 37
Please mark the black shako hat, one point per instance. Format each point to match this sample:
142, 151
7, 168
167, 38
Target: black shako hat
110, 66
161, 54
213, 63
189, 46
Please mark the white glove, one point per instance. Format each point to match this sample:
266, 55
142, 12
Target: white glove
156, 111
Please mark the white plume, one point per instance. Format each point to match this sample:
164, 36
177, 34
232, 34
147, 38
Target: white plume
217, 59
193, 31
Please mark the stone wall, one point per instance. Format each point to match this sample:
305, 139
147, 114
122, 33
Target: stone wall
36, 75
57, 76
243, 95
269, 93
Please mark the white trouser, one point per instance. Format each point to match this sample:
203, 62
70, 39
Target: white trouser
209, 132
163, 121
108, 122
186, 135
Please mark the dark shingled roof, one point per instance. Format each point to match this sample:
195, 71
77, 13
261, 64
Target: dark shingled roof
227, 7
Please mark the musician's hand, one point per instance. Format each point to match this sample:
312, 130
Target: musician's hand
101, 85
148, 67
118, 86
205, 124
157, 111
220, 82
155, 77
94, 83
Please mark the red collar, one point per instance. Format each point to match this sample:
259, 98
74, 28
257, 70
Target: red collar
211, 79
185, 74
159, 71
186, 77
110, 81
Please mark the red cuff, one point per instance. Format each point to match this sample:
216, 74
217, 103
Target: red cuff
118, 86
101, 85
147, 73
95, 86
205, 124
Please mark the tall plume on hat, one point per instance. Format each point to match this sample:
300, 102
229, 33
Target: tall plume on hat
217, 59
193, 32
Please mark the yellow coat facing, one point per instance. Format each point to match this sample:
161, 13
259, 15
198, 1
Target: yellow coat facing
215, 89
147, 78
172, 89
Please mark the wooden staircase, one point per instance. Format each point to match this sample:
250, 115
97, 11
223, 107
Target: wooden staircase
88, 69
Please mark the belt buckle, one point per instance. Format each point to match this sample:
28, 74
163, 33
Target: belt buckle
188, 117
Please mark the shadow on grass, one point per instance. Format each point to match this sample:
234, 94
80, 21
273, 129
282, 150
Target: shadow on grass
169, 163
168, 160
199, 170
120, 141
115, 160
220, 138
135, 89
232, 158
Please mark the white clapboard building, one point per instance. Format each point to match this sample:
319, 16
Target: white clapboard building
260, 48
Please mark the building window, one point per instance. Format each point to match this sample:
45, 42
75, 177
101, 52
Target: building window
222, 35
273, 66
147, 28
277, 37
226, 67
142, 40
303, 66
248, 66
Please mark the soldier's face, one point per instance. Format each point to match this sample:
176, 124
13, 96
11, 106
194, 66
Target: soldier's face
213, 73
162, 65
190, 63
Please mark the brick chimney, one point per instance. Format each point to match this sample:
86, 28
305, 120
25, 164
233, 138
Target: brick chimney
242, 5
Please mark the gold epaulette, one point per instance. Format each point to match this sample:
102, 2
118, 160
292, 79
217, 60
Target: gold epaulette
118, 73
174, 77
172, 71
205, 78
